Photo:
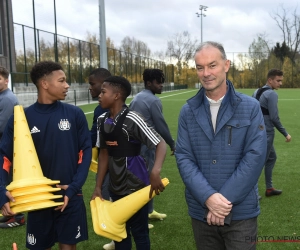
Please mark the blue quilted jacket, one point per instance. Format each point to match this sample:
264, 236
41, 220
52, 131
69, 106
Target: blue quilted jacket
228, 161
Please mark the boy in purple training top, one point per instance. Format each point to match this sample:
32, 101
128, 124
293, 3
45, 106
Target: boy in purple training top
120, 135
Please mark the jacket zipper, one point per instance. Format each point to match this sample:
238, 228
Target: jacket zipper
230, 133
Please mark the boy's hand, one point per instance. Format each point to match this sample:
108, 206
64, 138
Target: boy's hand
97, 193
62, 207
6, 211
156, 184
66, 198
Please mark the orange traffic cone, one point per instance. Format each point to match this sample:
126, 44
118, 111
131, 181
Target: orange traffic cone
29, 187
14, 246
109, 218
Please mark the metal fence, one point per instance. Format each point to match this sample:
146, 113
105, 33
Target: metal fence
77, 57
81, 96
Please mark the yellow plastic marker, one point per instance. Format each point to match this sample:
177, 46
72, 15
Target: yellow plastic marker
94, 161
29, 186
109, 218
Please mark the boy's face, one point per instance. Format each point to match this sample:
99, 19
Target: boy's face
155, 86
275, 82
3, 83
55, 85
95, 86
108, 96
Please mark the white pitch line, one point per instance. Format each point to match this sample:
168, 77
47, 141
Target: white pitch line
159, 98
288, 99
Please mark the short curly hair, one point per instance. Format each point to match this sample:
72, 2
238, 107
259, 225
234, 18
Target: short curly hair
100, 73
44, 68
153, 74
120, 83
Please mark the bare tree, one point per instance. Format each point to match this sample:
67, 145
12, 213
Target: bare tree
290, 28
260, 48
181, 48
134, 46
159, 55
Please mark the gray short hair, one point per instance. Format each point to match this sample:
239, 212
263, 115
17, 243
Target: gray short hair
216, 45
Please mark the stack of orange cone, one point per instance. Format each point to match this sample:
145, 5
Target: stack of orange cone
109, 218
29, 187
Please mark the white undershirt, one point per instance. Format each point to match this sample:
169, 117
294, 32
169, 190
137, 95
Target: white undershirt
214, 109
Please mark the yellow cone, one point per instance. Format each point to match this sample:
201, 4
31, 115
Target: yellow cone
109, 218
27, 169
33, 198
30, 190
94, 161
95, 205
29, 186
32, 206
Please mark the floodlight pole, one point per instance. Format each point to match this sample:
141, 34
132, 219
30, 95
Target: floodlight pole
201, 8
102, 36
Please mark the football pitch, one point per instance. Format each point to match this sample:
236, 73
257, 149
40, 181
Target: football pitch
278, 223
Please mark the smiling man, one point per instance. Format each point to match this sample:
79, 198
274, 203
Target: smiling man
268, 100
220, 150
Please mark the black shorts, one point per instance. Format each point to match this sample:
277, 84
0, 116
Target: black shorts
46, 227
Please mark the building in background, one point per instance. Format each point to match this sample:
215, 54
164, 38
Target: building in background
7, 45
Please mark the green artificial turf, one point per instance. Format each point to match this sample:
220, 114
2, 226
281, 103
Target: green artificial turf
279, 215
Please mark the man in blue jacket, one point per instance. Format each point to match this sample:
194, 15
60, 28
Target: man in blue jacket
220, 151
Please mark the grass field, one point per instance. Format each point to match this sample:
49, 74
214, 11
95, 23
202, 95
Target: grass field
279, 218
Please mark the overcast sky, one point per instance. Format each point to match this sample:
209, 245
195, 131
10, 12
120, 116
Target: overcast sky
234, 23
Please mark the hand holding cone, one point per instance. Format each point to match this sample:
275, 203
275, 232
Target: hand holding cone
29, 187
109, 218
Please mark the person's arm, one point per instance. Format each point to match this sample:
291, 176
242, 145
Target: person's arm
190, 172
93, 132
103, 159
273, 112
246, 174
102, 169
85, 155
6, 156
155, 180
160, 124
148, 136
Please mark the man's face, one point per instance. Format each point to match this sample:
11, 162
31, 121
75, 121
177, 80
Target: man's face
211, 68
3, 83
95, 86
56, 85
155, 86
275, 82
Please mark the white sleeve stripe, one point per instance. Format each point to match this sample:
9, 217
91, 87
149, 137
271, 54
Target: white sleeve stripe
143, 125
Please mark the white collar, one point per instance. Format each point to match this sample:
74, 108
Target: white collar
213, 101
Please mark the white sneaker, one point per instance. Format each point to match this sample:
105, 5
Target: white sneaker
156, 216
109, 246
150, 226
